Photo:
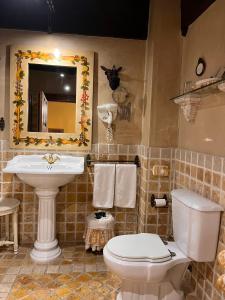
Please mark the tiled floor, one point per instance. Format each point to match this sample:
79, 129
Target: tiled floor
74, 262
71, 286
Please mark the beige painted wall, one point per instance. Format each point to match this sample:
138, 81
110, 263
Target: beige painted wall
163, 66
205, 39
108, 51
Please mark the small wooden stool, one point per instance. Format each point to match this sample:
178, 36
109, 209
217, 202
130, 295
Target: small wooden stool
98, 231
10, 206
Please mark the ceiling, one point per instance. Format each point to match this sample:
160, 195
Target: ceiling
116, 18
191, 10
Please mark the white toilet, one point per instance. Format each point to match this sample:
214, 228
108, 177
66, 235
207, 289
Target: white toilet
151, 270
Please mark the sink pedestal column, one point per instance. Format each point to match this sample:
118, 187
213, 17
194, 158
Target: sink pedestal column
46, 246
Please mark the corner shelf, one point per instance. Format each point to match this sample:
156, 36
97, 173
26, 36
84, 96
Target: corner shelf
190, 100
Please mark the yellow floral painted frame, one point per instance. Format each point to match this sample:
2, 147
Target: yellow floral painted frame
19, 64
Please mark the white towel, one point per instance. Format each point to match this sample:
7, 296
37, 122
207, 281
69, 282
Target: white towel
125, 188
104, 182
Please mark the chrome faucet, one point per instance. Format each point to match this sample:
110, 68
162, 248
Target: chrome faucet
51, 158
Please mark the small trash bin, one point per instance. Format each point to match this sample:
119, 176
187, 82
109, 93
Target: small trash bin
98, 231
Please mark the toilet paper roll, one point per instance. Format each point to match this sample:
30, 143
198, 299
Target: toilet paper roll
160, 202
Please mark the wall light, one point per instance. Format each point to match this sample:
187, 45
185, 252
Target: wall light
67, 88
62, 75
208, 139
57, 53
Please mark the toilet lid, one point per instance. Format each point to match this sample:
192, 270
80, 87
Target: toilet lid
139, 247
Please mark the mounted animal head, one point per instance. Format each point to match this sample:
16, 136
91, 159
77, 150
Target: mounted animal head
112, 76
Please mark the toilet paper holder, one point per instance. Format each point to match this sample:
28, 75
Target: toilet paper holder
153, 200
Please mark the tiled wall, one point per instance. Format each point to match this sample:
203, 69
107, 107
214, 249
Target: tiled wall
151, 219
204, 174
74, 201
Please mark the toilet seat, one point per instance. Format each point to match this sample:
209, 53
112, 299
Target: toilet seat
142, 247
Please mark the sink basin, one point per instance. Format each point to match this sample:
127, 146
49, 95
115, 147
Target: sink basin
37, 172
46, 176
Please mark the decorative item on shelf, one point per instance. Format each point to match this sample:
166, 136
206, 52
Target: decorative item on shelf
221, 279
2, 124
201, 66
204, 82
220, 73
221, 86
159, 202
107, 113
188, 86
112, 76
189, 106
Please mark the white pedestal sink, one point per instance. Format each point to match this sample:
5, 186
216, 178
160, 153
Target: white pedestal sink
46, 178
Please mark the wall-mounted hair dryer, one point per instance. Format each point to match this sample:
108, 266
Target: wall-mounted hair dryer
107, 113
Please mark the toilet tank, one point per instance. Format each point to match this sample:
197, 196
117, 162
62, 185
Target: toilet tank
196, 223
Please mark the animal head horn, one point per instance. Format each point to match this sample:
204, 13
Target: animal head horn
104, 68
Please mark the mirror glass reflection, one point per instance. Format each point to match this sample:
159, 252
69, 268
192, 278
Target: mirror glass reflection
52, 98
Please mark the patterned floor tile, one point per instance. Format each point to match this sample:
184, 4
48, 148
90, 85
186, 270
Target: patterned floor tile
75, 275
82, 286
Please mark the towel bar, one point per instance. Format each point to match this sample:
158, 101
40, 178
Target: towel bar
136, 161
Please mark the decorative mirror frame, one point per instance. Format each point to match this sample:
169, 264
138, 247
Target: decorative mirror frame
19, 66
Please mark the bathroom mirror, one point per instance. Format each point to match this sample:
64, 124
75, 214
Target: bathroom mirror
51, 92
51, 98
